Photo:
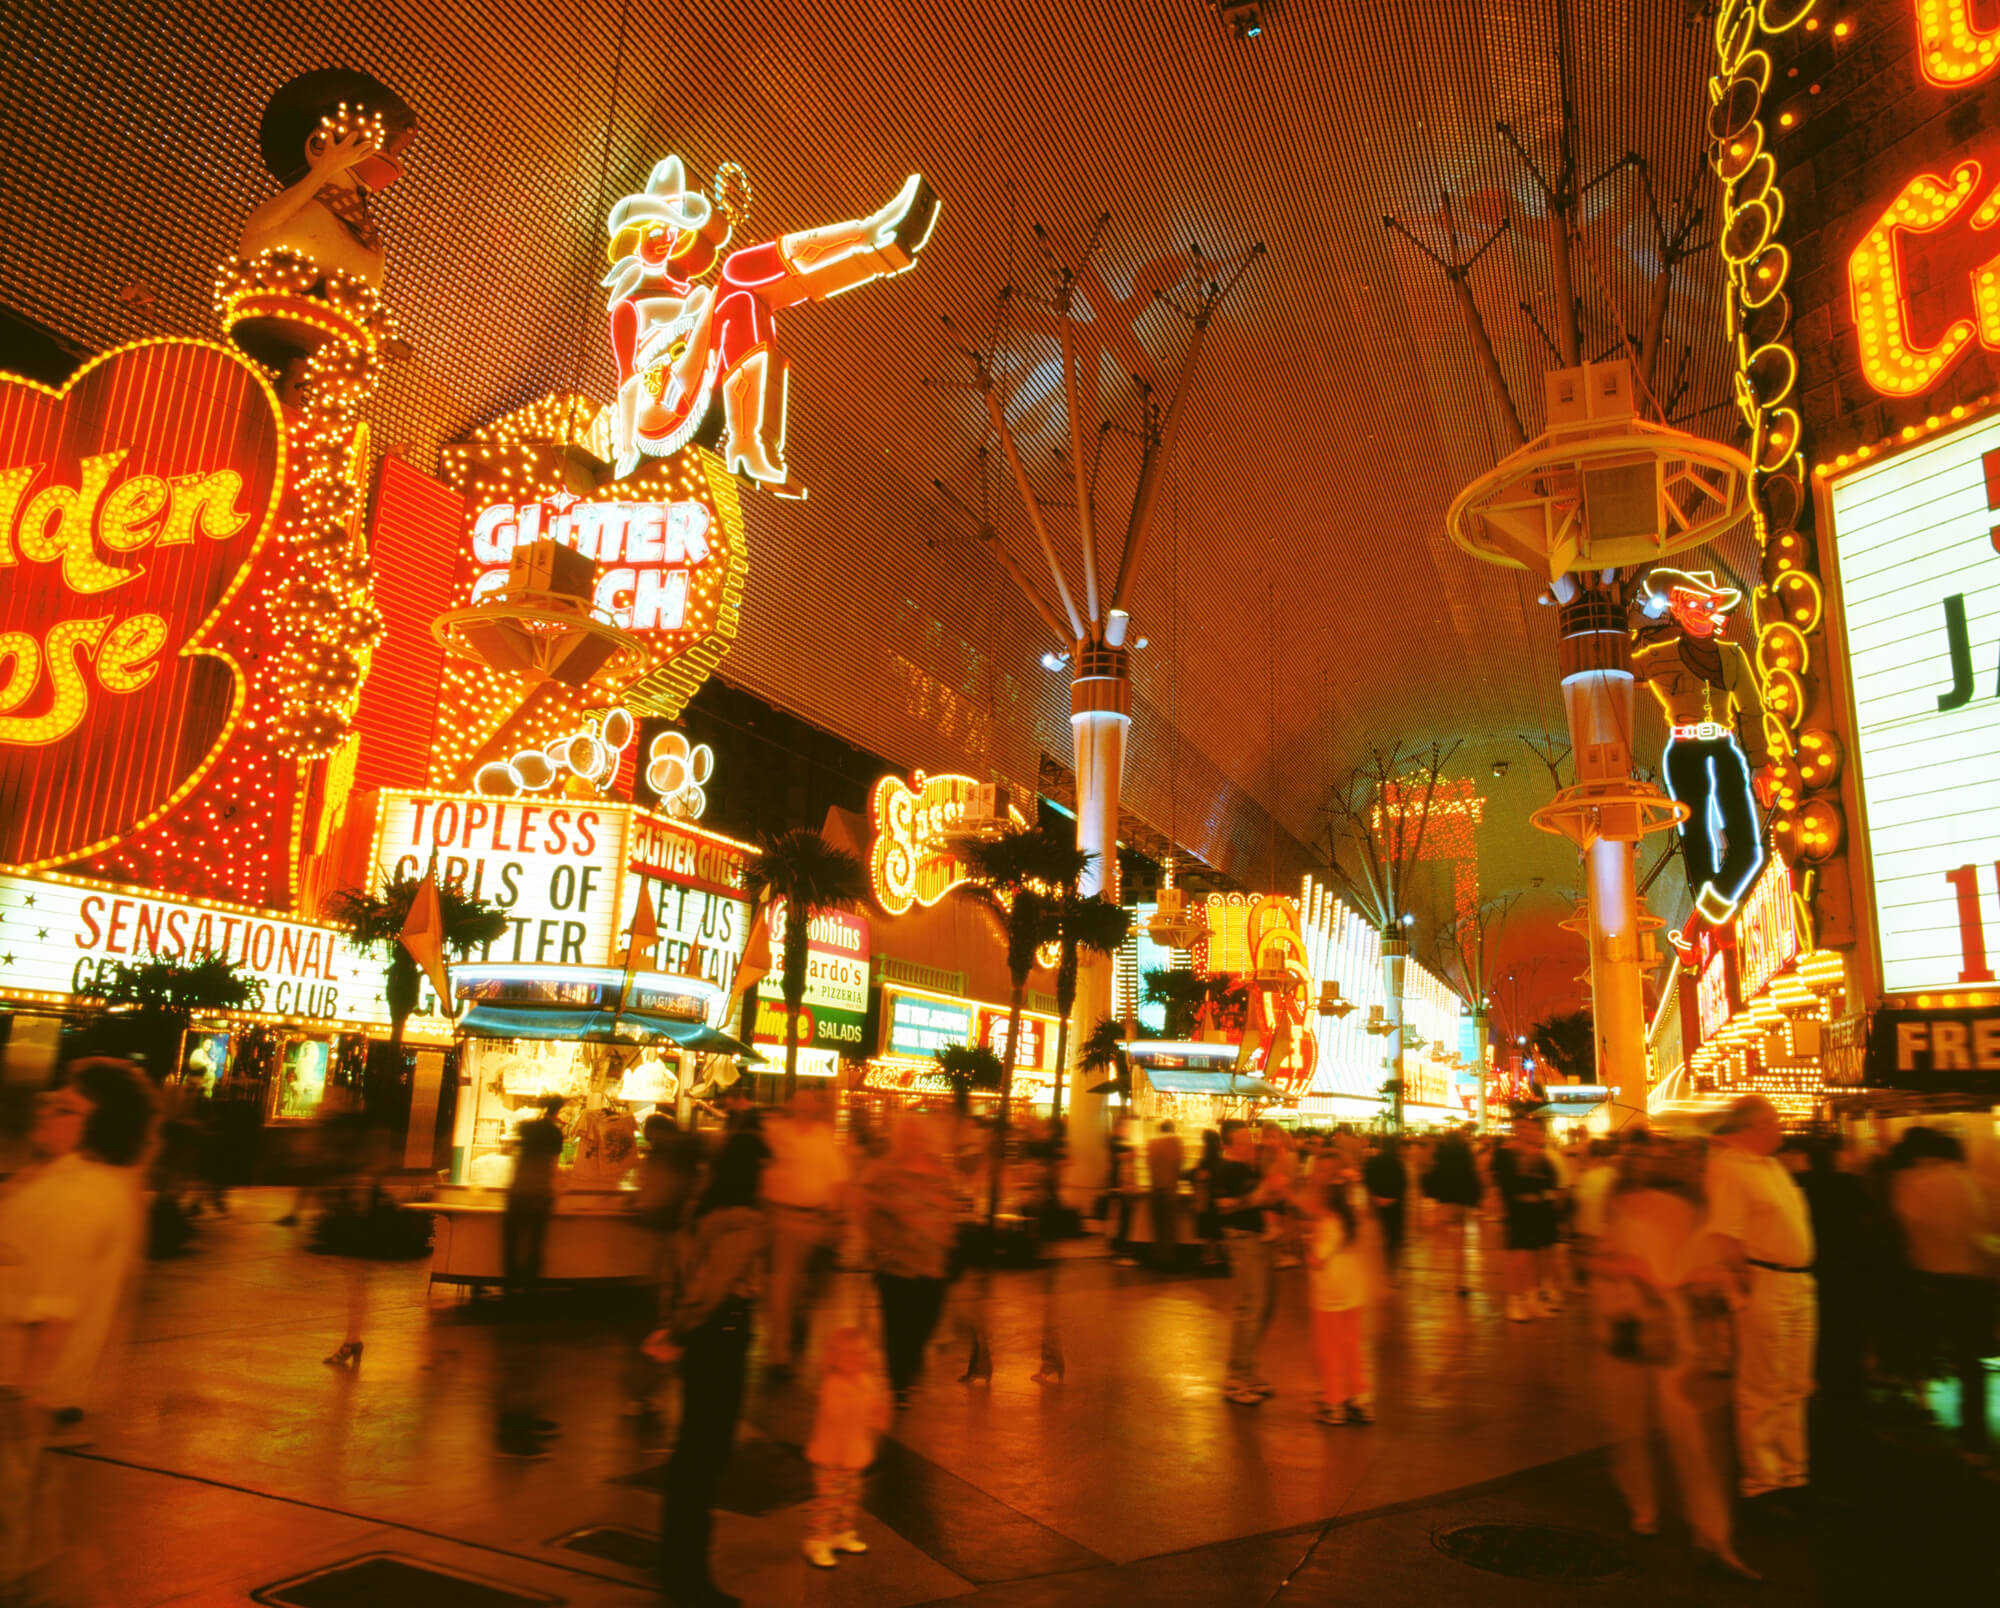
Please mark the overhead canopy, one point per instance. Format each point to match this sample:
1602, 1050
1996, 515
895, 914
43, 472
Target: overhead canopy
580, 1025
1339, 407
1227, 1085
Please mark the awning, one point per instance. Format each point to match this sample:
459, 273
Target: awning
1227, 1085
585, 1026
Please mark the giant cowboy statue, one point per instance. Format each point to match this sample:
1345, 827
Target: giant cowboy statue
679, 342
1716, 761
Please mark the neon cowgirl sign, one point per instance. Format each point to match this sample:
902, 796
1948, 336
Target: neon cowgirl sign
680, 343
645, 551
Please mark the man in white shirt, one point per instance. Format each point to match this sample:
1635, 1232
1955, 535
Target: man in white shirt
1761, 1230
70, 1238
805, 1191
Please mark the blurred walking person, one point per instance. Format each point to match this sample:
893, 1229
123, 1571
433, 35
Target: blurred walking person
805, 1194
706, 1329
1451, 1181
1241, 1193
1526, 1177
71, 1235
1208, 1220
910, 1215
1382, 1175
531, 1197
1757, 1216
852, 1415
668, 1175
1164, 1161
1643, 1266
1947, 1236
520, 1429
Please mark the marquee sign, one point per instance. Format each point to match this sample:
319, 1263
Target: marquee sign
1921, 584
62, 936
553, 869
133, 504
919, 1026
912, 860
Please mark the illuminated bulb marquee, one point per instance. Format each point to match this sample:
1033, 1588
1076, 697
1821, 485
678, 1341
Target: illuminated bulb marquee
135, 505
913, 859
1789, 610
673, 558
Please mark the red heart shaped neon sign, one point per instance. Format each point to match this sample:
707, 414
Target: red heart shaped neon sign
133, 505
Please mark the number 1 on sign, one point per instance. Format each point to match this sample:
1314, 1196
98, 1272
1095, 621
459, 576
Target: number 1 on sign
1971, 929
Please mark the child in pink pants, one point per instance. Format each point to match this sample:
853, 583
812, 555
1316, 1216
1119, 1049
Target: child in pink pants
853, 1413
1339, 1286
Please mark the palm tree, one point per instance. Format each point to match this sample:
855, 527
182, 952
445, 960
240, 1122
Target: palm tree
812, 877
374, 923
1019, 878
1094, 924
1103, 1050
968, 1067
164, 993
1185, 994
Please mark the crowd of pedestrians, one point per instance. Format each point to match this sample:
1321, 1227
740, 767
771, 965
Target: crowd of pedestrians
1785, 1265
1689, 1259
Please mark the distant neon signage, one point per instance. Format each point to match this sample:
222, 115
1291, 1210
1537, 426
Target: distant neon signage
1767, 932
1712, 996
921, 1027
913, 860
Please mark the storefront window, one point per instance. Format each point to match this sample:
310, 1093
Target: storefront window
206, 1061
301, 1080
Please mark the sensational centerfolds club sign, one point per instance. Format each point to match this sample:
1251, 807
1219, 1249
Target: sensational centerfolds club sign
63, 936
133, 505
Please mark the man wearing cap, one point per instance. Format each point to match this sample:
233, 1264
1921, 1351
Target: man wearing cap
1716, 750
1760, 1230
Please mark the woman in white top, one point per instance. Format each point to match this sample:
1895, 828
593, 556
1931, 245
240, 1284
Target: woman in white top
70, 1237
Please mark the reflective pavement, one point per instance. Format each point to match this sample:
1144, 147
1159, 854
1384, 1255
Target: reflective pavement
234, 1458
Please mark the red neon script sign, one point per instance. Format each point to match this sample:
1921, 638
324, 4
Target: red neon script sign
133, 503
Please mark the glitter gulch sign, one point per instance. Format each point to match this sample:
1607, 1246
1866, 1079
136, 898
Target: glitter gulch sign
134, 504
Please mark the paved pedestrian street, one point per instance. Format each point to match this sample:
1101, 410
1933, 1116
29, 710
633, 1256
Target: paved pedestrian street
234, 1460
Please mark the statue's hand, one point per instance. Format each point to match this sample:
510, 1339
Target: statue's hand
328, 157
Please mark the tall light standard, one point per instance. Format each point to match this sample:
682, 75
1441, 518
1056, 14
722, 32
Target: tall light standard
1095, 630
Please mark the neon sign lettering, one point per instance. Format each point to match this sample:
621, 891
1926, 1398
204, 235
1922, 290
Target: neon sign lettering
134, 503
1954, 50
1767, 933
645, 550
912, 861
1712, 996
